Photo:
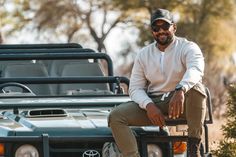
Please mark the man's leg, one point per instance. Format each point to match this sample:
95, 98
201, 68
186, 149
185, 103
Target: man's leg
195, 115
123, 116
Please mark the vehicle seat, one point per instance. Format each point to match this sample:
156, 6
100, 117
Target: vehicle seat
55, 69
3, 64
56, 66
82, 69
28, 70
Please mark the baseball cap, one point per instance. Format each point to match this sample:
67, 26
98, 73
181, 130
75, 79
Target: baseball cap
162, 14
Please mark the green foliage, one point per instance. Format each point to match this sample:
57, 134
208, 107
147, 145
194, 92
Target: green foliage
227, 147
230, 127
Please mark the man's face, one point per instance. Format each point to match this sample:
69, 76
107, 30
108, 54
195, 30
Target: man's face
163, 32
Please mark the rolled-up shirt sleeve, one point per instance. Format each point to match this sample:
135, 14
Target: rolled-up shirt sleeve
138, 84
194, 66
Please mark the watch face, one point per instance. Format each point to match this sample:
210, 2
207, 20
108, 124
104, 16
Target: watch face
178, 87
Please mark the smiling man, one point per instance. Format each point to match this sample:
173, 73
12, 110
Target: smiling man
165, 83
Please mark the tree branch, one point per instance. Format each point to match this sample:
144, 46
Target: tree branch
104, 20
112, 26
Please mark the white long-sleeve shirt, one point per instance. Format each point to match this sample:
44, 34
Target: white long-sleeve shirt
155, 72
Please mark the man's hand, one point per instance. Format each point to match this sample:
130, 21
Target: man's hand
155, 115
176, 105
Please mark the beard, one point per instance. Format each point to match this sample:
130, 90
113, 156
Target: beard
164, 38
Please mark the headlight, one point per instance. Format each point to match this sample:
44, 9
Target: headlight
27, 151
2, 149
154, 150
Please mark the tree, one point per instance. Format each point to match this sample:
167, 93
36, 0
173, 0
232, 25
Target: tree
72, 18
12, 16
227, 147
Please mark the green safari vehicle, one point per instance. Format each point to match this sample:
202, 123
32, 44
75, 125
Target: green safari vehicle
55, 99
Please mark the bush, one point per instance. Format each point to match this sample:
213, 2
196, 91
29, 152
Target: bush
227, 147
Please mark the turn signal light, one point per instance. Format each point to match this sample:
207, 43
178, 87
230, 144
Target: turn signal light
2, 149
179, 147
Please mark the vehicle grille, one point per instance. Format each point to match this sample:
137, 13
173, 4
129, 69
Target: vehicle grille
75, 149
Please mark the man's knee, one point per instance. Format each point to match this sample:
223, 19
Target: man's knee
198, 91
122, 113
196, 98
114, 117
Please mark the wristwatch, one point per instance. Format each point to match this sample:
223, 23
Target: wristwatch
180, 87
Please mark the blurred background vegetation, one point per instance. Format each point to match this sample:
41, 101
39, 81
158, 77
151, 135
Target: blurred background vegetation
227, 146
93, 23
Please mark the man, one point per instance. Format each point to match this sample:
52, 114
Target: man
170, 69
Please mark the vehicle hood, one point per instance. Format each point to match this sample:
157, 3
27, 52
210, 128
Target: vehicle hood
70, 124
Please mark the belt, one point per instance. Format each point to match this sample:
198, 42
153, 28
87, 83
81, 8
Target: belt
162, 96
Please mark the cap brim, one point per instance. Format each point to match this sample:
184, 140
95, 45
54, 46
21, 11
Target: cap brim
164, 19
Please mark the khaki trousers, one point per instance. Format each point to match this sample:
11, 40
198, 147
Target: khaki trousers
130, 114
